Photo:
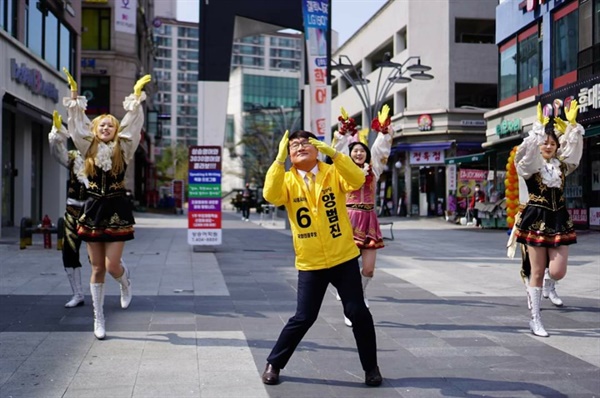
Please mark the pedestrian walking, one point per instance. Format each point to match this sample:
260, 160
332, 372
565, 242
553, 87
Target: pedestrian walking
246, 201
544, 160
76, 194
313, 193
360, 203
106, 220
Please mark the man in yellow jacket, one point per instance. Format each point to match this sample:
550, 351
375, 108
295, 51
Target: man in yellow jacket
314, 194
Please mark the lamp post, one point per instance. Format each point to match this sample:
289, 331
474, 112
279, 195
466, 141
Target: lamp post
396, 74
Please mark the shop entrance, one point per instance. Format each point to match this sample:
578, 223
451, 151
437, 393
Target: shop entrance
9, 171
428, 184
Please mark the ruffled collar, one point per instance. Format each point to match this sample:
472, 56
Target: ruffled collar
551, 174
104, 155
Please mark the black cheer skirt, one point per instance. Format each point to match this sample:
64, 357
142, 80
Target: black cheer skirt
106, 219
545, 228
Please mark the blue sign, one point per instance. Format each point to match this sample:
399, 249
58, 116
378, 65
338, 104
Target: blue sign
204, 177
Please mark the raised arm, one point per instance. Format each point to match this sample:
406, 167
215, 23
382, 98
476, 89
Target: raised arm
380, 151
528, 159
77, 122
274, 190
57, 138
132, 123
571, 142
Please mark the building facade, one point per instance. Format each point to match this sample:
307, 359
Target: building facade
36, 42
549, 53
433, 120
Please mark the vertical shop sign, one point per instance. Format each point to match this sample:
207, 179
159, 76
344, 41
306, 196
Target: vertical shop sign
125, 16
204, 195
316, 22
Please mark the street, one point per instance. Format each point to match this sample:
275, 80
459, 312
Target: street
449, 310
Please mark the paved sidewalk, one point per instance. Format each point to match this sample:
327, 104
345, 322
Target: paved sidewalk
449, 309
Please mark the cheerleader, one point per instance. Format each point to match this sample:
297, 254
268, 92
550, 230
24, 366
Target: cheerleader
545, 227
361, 202
106, 220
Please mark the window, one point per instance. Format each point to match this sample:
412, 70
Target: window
96, 31
508, 72
477, 95
475, 30
65, 52
229, 130
565, 43
51, 40
97, 91
529, 70
597, 22
34, 24
8, 15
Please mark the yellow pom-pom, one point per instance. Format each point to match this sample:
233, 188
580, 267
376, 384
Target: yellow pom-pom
383, 115
344, 113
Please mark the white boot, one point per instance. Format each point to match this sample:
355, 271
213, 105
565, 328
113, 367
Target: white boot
74, 275
549, 289
125, 283
535, 324
347, 321
97, 290
365, 282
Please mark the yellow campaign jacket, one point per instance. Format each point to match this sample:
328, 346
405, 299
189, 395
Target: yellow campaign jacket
321, 229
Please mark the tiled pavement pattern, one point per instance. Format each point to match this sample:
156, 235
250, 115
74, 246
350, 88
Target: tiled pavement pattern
449, 309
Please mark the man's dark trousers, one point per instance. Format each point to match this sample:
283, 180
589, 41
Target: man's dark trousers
312, 286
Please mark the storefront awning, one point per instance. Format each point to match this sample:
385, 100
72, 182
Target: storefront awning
473, 158
422, 146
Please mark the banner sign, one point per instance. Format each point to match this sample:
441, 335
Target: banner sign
316, 22
204, 195
426, 157
587, 94
125, 16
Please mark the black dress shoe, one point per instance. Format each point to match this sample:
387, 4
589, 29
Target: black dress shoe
271, 375
373, 377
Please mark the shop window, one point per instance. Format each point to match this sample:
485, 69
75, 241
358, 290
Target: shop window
529, 60
565, 45
97, 91
475, 31
508, 72
474, 94
96, 29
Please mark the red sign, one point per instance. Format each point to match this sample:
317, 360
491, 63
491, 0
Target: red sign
472, 174
178, 193
204, 220
578, 216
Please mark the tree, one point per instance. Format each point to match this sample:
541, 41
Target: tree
173, 163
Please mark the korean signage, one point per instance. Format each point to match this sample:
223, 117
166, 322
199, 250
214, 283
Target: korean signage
578, 216
316, 22
424, 122
125, 16
426, 157
587, 94
508, 127
451, 177
204, 195
595, 216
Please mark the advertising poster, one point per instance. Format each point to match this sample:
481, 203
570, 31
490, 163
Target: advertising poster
467, 179
316, 21
125, 16
204, 195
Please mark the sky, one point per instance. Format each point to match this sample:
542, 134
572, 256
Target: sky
347, 16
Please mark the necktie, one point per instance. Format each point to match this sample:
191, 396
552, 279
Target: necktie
310, 181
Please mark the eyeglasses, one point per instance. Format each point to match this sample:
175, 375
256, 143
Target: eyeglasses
297, 144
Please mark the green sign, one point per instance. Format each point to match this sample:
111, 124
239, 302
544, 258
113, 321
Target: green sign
204, 191
508, 127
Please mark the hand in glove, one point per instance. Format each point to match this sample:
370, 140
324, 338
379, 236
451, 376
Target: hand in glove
283, 148
72, 82
323, 148
540, 115
56, 120
560, 125
572, 112
139, 85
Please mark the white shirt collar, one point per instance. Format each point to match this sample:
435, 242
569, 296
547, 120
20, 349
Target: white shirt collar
314, 170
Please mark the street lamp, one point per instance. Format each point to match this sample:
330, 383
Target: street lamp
397, 74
